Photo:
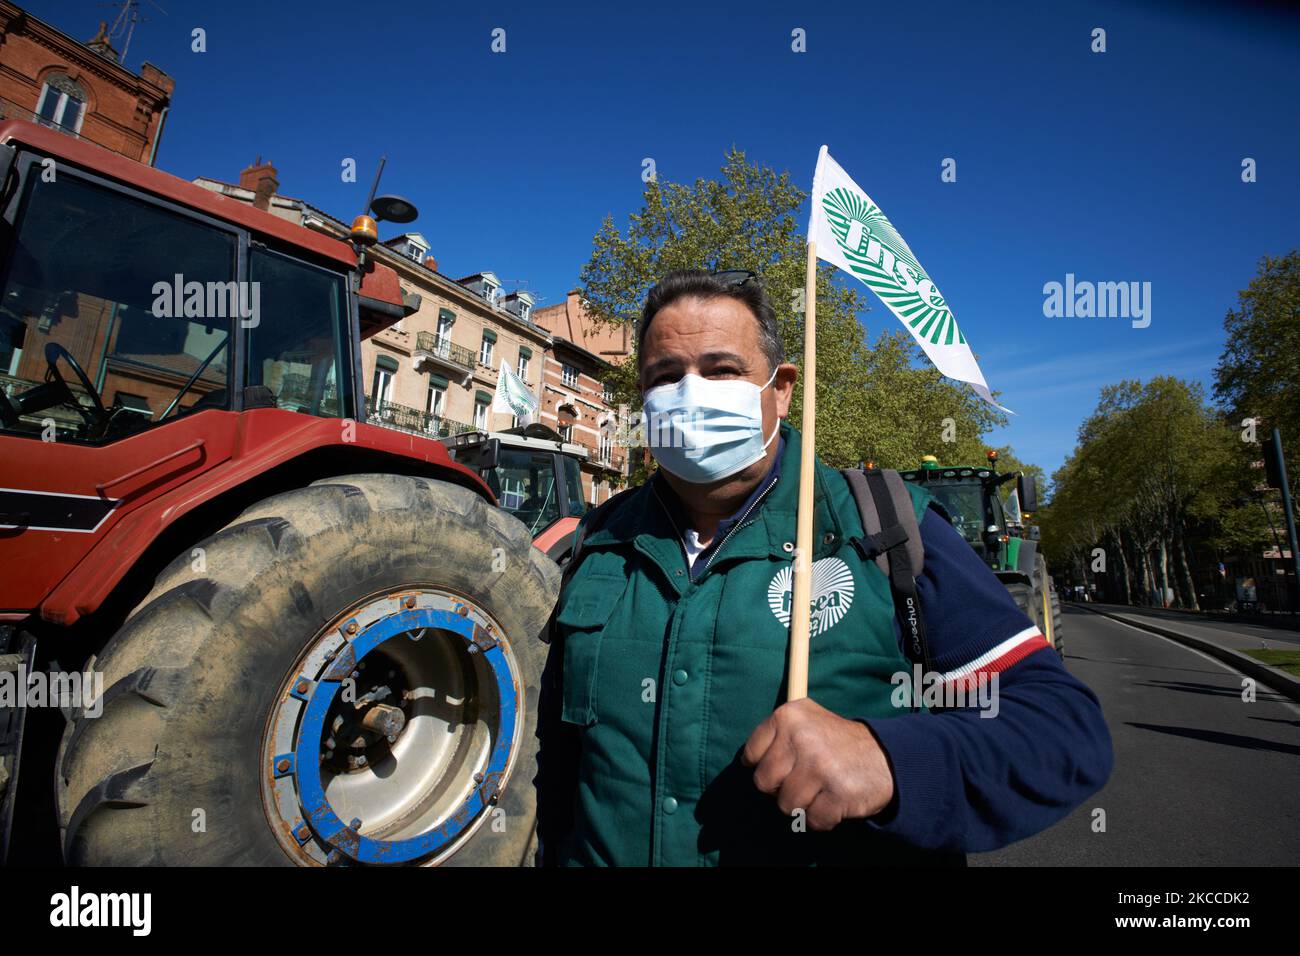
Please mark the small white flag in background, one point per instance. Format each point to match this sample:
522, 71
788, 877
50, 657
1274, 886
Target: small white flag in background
513, 396
851, 232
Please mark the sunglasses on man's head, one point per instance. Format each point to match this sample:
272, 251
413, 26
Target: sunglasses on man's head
733, 277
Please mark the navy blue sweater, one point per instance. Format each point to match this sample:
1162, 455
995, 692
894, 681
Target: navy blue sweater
964, 782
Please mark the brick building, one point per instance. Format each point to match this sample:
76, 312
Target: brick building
80, 88
574, 397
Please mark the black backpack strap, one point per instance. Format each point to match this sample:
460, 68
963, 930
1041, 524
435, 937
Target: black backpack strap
892, 538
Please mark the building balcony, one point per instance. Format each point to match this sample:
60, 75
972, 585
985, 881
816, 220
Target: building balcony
407, 419
609, 460
430, 350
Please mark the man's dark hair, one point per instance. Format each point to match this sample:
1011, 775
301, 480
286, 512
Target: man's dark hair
696, 283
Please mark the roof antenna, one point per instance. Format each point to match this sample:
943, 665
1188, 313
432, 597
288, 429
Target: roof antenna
124, 26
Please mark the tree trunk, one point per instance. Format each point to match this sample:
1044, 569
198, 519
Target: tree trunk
1144, 575
1126, 588
1164, 572
1183, 567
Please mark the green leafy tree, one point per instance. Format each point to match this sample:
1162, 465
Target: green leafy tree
1258, 375
1153, 474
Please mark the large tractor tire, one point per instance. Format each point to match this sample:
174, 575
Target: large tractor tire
1048, 607
1030, 600
1023, 595
346, 674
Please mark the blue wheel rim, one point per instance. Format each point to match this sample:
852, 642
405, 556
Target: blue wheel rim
305, 761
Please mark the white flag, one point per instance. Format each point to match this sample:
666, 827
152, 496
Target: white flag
513, 395
852, 233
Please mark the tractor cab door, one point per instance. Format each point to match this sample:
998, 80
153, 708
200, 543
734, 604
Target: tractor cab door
99, 337
122, 314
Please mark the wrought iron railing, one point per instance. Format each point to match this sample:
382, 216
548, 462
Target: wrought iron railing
407, 419
446, 349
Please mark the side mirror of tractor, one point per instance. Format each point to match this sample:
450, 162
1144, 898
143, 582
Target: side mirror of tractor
1027, 486
1033, 533
487, 458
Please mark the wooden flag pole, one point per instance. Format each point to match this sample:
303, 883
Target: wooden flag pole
801, 586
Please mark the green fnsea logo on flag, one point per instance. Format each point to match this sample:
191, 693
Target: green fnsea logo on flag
880, 258
513, 395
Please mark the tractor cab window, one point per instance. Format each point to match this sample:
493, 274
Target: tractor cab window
524, 484
296, 340
965, 506
114, 313
573, 481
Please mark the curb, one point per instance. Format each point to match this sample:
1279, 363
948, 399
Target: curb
1275, 678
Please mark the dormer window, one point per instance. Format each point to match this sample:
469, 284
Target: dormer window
490, 291
416, 248
525, 310
411, 245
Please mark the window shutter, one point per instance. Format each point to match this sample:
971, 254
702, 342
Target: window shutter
489, 335
386, 362
438, 381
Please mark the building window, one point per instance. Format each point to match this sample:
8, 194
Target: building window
480, 415
569, 375
381, 386
595, 491
435, 400
62, 104
523, 368
485, 352
607, 394
445, 320
566, 431
525, 310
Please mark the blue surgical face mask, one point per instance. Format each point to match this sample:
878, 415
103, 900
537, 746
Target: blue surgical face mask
702, 430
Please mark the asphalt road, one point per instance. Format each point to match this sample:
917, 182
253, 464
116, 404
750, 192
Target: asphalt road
1201, 778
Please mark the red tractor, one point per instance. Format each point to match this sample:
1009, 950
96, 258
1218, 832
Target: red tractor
300, 638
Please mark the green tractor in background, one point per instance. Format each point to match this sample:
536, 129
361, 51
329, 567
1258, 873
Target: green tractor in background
997, 531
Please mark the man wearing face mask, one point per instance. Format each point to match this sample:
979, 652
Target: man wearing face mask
665, 738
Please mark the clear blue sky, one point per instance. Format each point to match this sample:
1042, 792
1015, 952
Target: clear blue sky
1122, 166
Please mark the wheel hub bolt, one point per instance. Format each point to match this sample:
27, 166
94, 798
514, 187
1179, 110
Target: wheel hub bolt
384, 719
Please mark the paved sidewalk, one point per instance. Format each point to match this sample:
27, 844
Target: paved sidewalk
1235, 631
1227, 641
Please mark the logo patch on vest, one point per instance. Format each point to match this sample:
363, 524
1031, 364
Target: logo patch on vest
832, 594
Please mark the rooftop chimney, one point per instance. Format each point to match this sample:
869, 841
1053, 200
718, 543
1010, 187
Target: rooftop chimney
100, 43
260, 180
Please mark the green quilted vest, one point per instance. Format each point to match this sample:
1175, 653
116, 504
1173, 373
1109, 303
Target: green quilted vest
668, 677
